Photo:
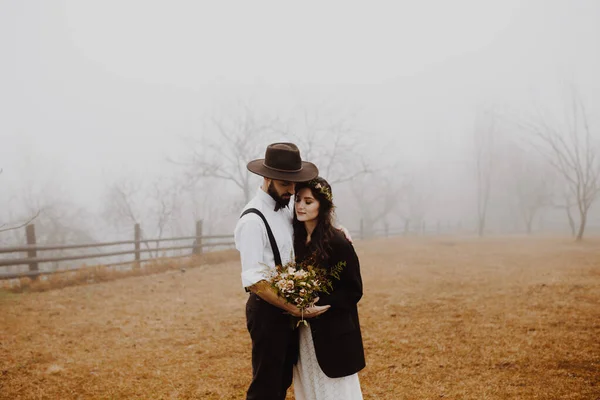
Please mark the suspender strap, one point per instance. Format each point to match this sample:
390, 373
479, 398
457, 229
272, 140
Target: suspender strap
274, 247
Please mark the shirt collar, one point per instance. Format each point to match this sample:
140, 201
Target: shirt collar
265, 198
269, 201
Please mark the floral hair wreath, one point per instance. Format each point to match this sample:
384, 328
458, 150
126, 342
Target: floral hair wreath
324, 190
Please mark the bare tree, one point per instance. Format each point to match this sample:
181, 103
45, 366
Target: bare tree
152, 207
573, 151
331, 141
165, 201
207, 202
377, 196
63, 222
5, 226
226, 147
531, 185
122, 204
483, 135
416, 205
57, 221
564, 201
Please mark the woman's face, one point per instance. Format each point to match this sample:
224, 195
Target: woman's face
307, 207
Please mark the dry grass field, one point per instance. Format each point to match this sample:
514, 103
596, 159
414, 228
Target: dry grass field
442, 318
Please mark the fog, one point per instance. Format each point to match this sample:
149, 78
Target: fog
102, 98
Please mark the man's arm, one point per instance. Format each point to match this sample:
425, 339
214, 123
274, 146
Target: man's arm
263, 290
345, 231
250, 239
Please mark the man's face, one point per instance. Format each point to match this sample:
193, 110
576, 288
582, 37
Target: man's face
281, 191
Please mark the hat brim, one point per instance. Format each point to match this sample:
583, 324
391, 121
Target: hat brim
307, 172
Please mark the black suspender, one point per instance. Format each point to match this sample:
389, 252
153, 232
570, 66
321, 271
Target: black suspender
274, 247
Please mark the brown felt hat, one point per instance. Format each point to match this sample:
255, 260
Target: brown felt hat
282, 162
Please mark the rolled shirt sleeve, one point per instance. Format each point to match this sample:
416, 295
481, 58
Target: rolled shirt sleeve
250, 239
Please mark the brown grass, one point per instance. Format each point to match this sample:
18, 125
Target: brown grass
102, 273
502, 318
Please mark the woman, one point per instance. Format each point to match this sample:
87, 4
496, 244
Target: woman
331, 349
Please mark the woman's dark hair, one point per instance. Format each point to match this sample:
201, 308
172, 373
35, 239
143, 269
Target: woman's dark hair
324, 231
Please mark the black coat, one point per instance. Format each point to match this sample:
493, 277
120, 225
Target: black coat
336, 333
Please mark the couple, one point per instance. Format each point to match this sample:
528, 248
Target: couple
324, 357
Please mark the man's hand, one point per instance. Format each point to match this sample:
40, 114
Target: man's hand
267, 293
346, 233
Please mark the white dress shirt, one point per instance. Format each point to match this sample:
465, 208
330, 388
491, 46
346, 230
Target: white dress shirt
252, 241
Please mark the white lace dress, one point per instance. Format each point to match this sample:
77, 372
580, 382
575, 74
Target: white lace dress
310, 383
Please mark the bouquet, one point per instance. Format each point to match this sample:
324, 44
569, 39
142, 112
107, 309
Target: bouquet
300, 283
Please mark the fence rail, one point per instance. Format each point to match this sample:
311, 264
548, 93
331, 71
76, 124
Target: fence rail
200, 242
16, 249
32, 259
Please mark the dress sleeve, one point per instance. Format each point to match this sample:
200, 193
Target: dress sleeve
250, 242
348, 290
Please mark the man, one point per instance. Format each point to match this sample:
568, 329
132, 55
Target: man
274, 341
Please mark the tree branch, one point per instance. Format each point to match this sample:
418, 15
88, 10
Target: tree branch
24, 224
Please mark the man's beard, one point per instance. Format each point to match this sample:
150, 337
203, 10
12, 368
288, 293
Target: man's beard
280, 201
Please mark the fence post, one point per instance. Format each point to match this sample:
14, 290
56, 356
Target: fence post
137, 238
198, 242
31, 253
387, 229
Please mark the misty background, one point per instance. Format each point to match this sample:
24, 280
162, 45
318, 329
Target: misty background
423, 115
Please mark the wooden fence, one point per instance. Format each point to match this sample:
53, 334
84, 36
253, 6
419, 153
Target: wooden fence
200, 242
33, 259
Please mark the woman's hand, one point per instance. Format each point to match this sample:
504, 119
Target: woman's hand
315, 311
310, 312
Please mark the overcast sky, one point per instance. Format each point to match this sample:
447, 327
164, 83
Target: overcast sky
90, 90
